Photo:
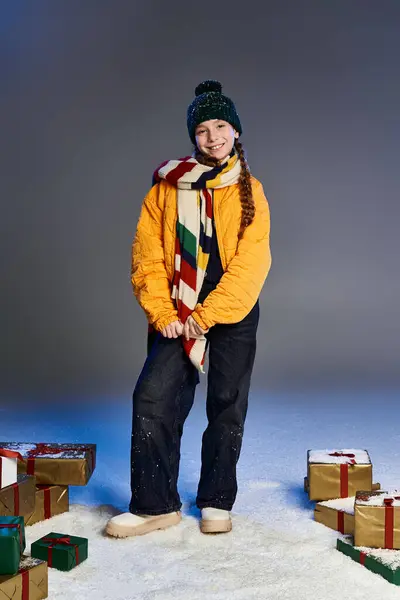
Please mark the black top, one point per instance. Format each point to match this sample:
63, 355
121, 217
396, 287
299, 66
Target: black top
214, 267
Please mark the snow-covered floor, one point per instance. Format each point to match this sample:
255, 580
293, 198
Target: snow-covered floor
276, 550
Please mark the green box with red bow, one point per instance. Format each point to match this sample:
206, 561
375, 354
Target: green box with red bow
61, 551
12, 544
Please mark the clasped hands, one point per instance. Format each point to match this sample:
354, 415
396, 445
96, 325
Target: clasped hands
190, 329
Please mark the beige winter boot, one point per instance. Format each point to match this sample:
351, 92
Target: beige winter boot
215, 520
127, 524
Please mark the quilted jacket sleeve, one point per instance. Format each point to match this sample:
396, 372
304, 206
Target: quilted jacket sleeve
148, 275
241, 284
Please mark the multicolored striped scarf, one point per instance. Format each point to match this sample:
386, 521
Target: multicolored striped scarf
195, 184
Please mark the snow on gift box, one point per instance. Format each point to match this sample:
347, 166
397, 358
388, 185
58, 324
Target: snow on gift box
377, 519
29, 583
337, 514
337, 473
19, 498
55, 464
383, 562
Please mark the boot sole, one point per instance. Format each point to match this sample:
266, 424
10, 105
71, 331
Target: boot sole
215, 526
150, 524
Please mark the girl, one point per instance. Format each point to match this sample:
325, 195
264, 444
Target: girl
199, 261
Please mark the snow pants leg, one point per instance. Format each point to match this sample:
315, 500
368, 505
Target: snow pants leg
162, 400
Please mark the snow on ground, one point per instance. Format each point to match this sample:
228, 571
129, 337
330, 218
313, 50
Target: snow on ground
275, 551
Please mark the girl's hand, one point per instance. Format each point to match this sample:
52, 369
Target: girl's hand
173, 330
191, 329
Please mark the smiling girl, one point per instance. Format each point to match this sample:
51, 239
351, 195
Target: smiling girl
199, 261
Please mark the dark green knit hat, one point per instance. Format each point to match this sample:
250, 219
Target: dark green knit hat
210, 103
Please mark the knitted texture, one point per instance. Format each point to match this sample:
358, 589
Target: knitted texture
195, 183
210, 103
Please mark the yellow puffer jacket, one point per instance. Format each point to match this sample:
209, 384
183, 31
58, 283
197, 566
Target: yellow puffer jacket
246, 262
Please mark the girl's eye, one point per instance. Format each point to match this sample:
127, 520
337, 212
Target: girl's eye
200, 131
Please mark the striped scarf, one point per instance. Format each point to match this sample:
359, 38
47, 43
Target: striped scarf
195, 184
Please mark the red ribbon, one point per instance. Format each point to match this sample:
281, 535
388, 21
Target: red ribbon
16, 499
46, 501
25, 583
8, 454
43, 449
363, 556
389, 521
344, 472
352, 456
66, 541
13, 526
340, 521
344, 480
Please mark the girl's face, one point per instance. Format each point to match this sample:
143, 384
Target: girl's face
215, 138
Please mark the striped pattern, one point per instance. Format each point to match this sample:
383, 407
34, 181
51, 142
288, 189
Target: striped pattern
195, 183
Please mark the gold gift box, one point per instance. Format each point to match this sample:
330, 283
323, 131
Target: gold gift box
336, 515
324, 479
74, 468
371, 527
50, 501
34, 575
25, 489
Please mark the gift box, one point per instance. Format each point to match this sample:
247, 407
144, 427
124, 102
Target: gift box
383, 562
377, 519
12, 544
29, 583
8, 466
51, 500
337, 514
337, 473
61, 551
56, 464
19, 498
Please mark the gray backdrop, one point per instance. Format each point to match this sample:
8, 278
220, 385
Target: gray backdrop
93, 96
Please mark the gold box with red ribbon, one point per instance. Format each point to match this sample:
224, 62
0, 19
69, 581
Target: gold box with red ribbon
51, 500
29, 583
337, 473
377, 520
18, 499
55, 464
336, 514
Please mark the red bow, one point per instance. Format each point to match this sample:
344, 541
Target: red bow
352, 456
66, 541
42, 448
389, 501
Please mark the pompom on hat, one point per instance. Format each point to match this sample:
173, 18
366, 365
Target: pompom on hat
210, 103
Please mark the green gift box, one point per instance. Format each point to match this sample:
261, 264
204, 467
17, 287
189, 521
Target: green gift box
384, 562
12, 544
61, 551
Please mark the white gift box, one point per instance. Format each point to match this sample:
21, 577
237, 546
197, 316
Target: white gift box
8, 471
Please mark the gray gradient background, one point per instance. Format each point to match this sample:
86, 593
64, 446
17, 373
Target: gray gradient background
93, 96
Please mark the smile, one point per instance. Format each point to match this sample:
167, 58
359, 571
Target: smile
216, 147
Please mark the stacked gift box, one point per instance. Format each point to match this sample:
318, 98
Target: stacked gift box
347, 501
34, 486
35, 478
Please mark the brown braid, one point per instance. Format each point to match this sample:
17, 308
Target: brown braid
245, 191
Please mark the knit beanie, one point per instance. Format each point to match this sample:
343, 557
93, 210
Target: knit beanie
210, 103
